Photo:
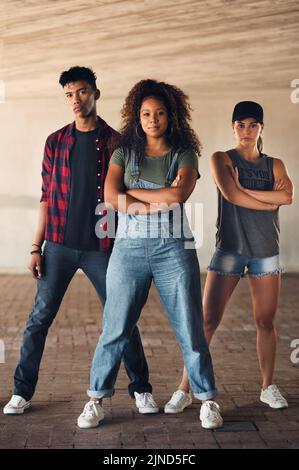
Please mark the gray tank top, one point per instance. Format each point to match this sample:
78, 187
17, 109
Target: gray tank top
250, 232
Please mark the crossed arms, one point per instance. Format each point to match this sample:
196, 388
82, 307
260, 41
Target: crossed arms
146, 201
227, 180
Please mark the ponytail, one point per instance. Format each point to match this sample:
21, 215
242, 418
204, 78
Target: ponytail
260, 144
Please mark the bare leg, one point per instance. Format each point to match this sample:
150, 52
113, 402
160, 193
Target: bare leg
100, 400
265, 294
217, 292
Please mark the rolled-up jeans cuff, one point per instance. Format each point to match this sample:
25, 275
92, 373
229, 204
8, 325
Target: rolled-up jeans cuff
206, 395
101, 393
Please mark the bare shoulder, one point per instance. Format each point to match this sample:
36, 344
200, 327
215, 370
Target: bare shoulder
279, 168
278, 162
279, 165
219, 158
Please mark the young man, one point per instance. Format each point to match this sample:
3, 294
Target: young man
74, 167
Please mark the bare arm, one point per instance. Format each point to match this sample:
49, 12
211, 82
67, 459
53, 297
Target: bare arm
283, 188
188, 177
35, 260
222, 171
116, 197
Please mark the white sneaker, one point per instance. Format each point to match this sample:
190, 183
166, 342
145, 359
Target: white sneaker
16, 405
210, 416
92, 414
145, 403
178, 402
273, 397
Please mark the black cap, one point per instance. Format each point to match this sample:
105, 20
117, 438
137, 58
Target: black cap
248, 109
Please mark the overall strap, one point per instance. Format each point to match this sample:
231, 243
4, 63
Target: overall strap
172, 172
135, 164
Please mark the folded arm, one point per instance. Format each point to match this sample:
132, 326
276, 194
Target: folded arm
174, 194
116, 197
283, 187
223, 174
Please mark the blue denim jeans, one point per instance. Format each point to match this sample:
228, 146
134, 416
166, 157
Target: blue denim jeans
133, 265
60, 263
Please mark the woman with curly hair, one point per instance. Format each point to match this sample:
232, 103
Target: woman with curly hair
153, 243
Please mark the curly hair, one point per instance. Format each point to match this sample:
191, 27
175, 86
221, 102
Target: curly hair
179, 133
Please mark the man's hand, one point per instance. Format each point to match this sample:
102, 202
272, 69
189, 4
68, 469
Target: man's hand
35, 265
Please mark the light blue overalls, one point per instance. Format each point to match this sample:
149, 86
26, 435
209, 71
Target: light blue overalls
145, 250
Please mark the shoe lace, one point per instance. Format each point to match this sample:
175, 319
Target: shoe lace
276, 393
89, 409
16, 401
212, 409
146, 398
177, 397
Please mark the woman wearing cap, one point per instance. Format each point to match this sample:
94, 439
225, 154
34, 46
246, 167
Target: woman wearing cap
251, 187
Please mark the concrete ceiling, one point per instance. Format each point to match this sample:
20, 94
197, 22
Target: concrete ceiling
201, 45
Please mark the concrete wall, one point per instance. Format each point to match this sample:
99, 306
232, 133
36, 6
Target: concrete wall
25, 124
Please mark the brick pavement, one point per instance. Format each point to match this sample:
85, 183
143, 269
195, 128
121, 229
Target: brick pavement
60, 395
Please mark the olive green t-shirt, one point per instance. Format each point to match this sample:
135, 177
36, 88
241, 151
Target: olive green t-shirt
154, 169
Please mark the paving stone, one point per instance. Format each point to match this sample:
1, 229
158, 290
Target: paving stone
64, 377
236, 426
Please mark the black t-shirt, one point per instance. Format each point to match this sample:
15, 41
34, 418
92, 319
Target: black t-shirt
81, 218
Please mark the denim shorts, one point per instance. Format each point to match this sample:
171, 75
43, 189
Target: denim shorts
233, 264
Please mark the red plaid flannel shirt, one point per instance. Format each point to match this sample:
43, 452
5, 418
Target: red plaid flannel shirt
56, 177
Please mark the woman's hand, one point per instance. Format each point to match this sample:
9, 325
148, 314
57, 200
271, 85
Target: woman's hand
158, 207
279, 185
235, 174
175, 183
273, 207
